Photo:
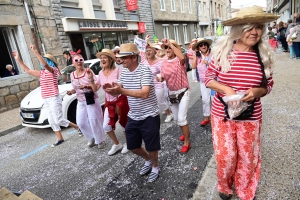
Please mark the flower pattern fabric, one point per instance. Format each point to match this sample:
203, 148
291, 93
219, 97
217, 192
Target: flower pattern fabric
238, 157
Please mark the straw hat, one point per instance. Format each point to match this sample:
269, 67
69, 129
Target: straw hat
49, 56
174, 43
127, 50
156, 46
106, 52
247, 15
200, 40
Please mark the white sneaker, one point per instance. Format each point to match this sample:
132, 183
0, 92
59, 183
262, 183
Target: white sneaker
114, 149
169, 118
91, 143
124, 150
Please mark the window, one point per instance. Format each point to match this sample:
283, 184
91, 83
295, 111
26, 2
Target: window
166, 31
182, 6
173, 7
199, 9
176, 34
162, 5
185, 36
190, 6
204, 9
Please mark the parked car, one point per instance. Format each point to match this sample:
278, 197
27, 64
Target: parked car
185, 52
32, 108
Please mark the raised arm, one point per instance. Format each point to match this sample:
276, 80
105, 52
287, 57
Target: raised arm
41, 59
176, 51
24, 67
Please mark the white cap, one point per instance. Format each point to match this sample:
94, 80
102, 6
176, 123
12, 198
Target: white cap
117, 48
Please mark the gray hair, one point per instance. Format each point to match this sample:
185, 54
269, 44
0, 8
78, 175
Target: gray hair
9, 65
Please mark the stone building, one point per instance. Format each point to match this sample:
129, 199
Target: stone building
285, 8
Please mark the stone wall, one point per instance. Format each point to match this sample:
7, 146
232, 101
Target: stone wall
11, 96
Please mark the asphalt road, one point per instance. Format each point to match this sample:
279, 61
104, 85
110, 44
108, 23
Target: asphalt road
74, 171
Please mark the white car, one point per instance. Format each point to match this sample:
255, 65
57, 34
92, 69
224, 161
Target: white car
32, 108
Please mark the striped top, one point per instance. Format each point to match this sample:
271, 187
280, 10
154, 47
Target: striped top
175, 75
155, 69
191, 53
245, 73
140, 108
82, 80
202, 67
49, 82
113, 77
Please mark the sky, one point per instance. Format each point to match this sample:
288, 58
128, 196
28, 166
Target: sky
247, 3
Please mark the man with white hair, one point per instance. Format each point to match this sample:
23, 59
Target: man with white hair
119, 62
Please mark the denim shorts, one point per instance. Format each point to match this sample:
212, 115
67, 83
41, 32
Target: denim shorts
146, 130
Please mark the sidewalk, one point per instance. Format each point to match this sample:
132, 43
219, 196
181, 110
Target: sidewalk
280, 140
10, 121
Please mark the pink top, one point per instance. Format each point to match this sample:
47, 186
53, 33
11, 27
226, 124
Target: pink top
245, 73
202, 67
155, 69
175, 75
190, 55
113, 77
49, 82
82, 80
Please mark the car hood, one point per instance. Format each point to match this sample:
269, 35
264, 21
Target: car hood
34, 99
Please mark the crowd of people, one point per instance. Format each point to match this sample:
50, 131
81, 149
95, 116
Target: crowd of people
288, 35
240, 62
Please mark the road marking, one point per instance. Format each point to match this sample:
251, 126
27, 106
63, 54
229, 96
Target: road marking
34, 151
72, 132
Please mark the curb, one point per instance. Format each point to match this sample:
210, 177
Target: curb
11, 130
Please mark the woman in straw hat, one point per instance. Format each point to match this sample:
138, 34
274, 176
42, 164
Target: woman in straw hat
173, 71
116, 107
150, 60
243, 63
49, 89
190, 55
201, 63
89, 113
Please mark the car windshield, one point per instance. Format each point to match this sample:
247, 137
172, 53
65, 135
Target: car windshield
66, 72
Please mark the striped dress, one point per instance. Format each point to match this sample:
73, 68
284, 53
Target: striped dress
245, 73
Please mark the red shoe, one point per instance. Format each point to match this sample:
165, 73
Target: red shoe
204, 122
185, 149
181, 138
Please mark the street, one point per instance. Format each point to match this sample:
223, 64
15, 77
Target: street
75, 171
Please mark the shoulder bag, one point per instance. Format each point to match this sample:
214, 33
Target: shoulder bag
176, 98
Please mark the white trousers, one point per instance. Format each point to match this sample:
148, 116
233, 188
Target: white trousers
90, 121
107, 128
161, 99
205, 92
53, 107
194, 76
179, 110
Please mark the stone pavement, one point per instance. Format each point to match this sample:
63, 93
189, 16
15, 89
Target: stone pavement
10, 121
280, 140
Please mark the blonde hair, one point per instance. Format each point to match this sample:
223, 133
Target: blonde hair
223, 49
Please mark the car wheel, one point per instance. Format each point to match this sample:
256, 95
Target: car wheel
72, 111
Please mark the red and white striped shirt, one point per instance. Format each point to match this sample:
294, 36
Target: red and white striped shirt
49, 82
175, 75
245, 73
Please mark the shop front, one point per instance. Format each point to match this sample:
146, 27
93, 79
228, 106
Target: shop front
91, 36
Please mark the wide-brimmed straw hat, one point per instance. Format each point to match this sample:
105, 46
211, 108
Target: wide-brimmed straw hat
174, 43
127, 50
106, 52
49, 56
201, 40
156, 46
248, 15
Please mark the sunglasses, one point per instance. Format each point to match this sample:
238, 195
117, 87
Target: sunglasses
167, 47
79, 60
202, 44
125, 57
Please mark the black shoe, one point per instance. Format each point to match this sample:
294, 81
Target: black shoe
58, 142
225, 196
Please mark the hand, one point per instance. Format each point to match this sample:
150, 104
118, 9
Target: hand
166, 41
159, 79
70, 92
32, 47
115, 90
82, 87
107, 85
147, 38
90, 73
228, 92
15, 54
254, 93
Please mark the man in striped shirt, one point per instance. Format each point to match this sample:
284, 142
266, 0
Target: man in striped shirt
136, 82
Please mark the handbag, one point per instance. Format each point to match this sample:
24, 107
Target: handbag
89, 97
294, 35
176, 98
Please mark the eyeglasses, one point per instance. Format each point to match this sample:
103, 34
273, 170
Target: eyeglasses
79, 60
202, 44
167, 47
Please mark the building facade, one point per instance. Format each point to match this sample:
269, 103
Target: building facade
176, 19
285, 8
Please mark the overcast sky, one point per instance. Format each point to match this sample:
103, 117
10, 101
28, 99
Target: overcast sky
247, 3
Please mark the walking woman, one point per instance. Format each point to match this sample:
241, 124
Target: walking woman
242, 62
49, 74
150, 60
201, 63
89, 113
116, 108
173, 71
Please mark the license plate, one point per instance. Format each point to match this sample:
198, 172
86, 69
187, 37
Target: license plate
28, 115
